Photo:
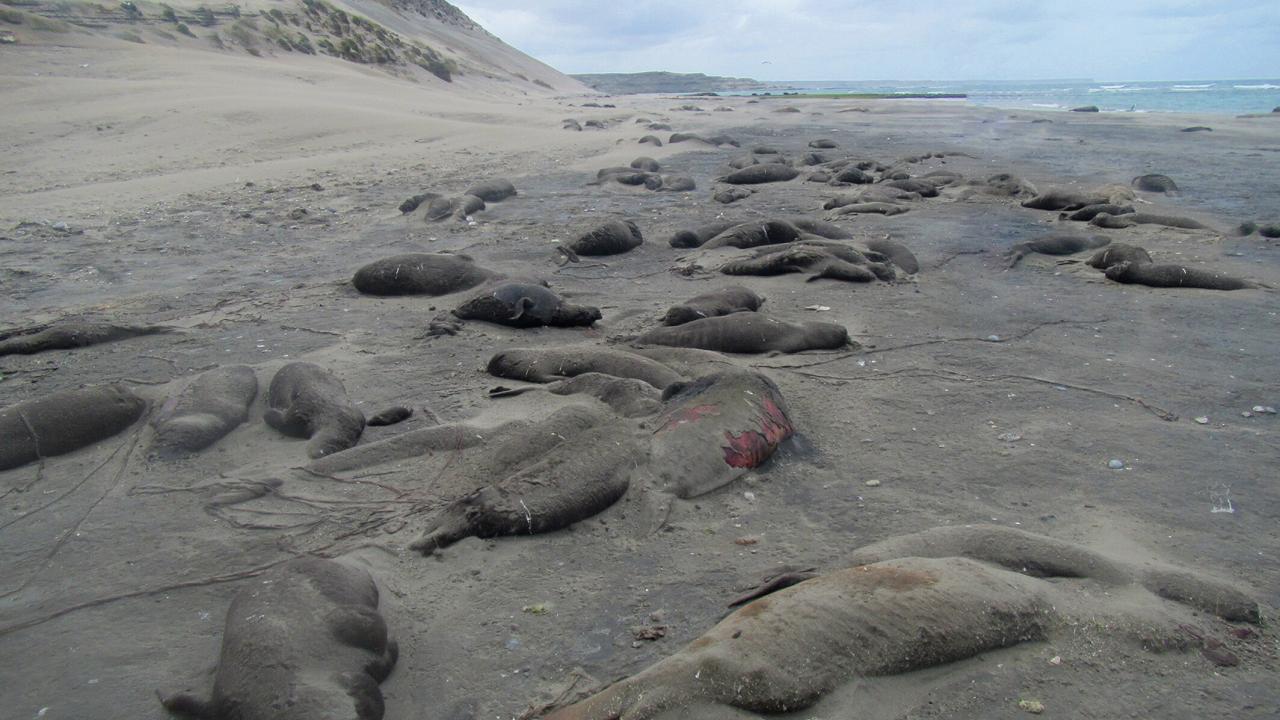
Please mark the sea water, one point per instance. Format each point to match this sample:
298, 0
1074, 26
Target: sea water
1228, 97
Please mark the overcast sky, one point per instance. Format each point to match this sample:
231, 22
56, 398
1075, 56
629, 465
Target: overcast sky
898, 40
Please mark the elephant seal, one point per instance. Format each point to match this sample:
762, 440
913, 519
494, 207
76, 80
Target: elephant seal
1118, 222
307, 401
458, 208
625, 396
897, 253
391, 416
1172, 276
1087, 213
1116, 253
651, 140
524, 305
647, 164
922, 188
304, 641
821, 228
410, 204
1065, 200
823, 144
570, 124
68, 335
214, 404
755, 234
566, 468
725, 301
1085, 109
674, 183
1155, 183
552, 364
826, 260
887, 209
750, 333
64, 421
493, 190
1055, 244
715, 428
745, 161
611, 238
730, 194
420, 274
852, 175
698, 236
682, 137
723, 139
758, 174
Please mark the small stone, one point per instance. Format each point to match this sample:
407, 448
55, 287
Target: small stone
749, 496
1202, 420
1009, 437
746, 540
1264, 409
1035, 707
1246, 413
873, 483
536, 609
1055, 660
993, 338
1116, 464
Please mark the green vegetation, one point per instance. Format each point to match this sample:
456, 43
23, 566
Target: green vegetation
131, 37
13, 17
167, 14
205, 16
182, 28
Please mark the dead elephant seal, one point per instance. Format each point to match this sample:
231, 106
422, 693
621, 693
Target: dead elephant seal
552, 364
206, 410
724, 301
68, 335
525, 305
758, 174
716, 428
566, 468
307, 401
1155, 183
304, 641
611, 238
1173, 276
64, 421
494, 190
1056, 244
420, 274
1116, 253
750, 333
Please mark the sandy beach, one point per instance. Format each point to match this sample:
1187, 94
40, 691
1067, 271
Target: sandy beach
237, 214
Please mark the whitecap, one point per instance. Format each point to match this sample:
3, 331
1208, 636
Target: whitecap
1263, 86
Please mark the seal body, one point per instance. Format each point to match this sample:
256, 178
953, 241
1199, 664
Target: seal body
1089, 212
1155, 183
820, 260
1117, 222
611, 238
64, 421
458, 207
564, 469
420, 274
524, 305
754, 234
206, 410
307, 401
898, 253
759, 174
698, 236
552, 364
67, 335
749, 333
1116, 253
305, 641
716, 428
493, 190
725, 301
1173, 276
1055, 244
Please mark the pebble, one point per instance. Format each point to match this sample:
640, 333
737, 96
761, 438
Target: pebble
1009, 437
1202, 420
1264, 409
1116, 464
873, 483
1035, 707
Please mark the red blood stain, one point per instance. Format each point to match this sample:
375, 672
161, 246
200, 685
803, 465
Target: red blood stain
751, 448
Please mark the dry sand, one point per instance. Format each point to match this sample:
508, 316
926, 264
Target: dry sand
183, 209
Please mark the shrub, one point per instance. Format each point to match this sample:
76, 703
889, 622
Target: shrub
205, 16
132, 37
182, 28
167, 14
327, 47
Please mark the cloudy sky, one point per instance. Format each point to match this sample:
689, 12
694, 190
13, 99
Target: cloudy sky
896, 39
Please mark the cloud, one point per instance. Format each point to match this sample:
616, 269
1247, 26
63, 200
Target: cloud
881, 39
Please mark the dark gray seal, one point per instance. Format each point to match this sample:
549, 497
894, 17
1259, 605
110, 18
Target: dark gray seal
923, 188
1116, 253
698, 236
525, 305
750, 333
1117, 222
391, 416
1175, 276
731, 194
1055, 244
820, 261
888, 209
1086, 109
1155, 183
611, 238
647, 164
651, 140
458, 207
823, 144
420, 274
214, 404
1065, 200
852, 175
759, 174
68, 335
492, 190
304, 641
64, 421
755, 234
725, 301
307, 401
545, 365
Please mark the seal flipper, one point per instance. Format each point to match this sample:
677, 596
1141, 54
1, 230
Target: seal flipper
188, 705
522, 305
286, 422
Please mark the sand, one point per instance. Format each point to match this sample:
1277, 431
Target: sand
982, 395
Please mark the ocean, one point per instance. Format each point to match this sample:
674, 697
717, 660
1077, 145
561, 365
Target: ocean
1226, 97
